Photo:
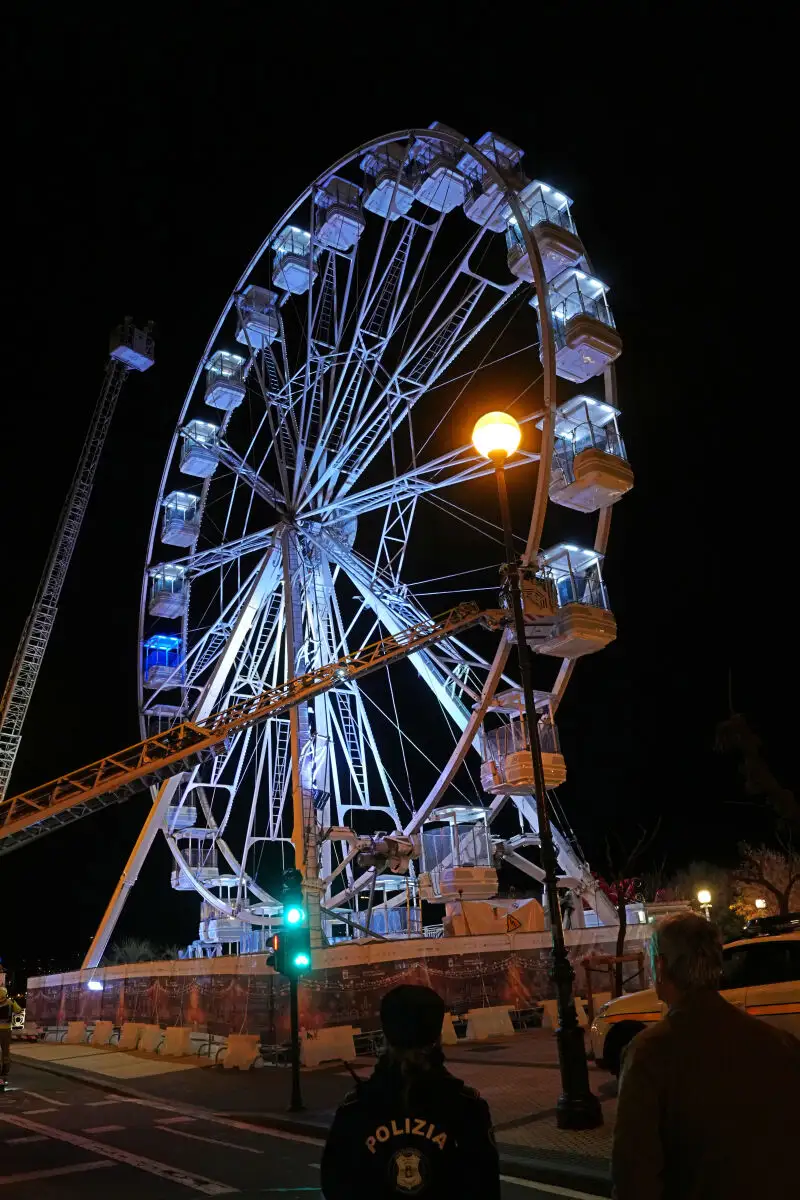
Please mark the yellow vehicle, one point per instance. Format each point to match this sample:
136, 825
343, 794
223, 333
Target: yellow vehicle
760, 973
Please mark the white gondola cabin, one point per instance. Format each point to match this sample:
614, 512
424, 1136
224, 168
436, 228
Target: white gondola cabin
583, 623
483, 202
341, 221
440, 184
225, 385
161, 664
258, 324
167, 591
583, 327
180, 524
547, 214
590, 470
389, 191
294, 265
507, 767
457, 856
198, 458
199, 850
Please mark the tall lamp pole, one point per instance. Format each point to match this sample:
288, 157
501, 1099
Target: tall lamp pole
496, 436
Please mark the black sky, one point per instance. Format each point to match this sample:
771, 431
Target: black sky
150, 152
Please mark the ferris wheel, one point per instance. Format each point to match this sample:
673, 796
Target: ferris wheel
312, 476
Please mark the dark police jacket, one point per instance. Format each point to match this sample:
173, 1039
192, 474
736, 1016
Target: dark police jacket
431, 1139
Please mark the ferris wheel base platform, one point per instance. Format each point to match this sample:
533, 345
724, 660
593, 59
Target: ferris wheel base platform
242, 994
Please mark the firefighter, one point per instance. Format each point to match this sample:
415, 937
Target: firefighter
8, 1008
412, 1128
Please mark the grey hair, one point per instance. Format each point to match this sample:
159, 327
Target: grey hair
690, 950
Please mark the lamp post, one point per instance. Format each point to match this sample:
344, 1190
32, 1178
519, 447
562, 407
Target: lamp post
704, 900
761, 904
496, 436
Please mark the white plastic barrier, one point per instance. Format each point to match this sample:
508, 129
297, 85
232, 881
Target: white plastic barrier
129, 1035
101, 1035
177, 1041
484, 1023
580, 1009
150, 1037
321, 1045
242, 1051
549, 1014
449, 1035
76, 1033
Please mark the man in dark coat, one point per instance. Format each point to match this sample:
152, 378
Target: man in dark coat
412, 1129
709, 1098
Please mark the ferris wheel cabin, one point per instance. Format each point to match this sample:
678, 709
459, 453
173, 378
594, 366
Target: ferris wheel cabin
197, 454
483, 202
294, 267
389, 192
167, 591
161, 661
199, 851
180, 525
590, 470
341, 221
225, 385
258, 324
506, 767
547, 214
583, 327
440, 184
583, 622
457, 856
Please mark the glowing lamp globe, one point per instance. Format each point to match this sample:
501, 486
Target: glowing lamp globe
761, 904
496, 433
704, 897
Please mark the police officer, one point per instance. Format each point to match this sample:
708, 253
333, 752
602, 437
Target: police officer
412, 1128
8, 1008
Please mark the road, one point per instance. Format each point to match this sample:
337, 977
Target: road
60, 1140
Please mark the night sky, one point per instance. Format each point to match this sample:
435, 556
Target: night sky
149, 159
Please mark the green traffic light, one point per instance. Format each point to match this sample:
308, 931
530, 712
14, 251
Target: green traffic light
294, 915
301, 960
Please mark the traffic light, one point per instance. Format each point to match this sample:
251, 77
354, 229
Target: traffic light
296, 937
276, 956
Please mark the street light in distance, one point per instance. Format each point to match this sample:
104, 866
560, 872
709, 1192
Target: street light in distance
704, 900
497, 436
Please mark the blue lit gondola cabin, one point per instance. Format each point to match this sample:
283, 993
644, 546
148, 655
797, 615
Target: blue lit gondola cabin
167, 591
439, 183
547, 213
225, 385
198, 457
389, 190
258, 322
590, 469
340, 221
583, 622
161, 665
294, 262
585, 338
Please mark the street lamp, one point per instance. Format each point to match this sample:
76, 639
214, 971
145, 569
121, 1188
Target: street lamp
496, 436
704, 900
761, 904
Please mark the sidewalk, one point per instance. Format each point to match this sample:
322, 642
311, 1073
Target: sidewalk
517, 1076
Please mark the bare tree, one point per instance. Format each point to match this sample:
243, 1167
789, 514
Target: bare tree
622, 887
770, 875
735, 736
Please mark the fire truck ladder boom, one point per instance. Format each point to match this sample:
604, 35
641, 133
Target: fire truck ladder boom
115, 778
131, 349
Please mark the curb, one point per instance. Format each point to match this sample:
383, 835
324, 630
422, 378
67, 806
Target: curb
585, 1178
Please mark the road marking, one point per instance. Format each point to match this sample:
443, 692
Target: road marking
47, 1099
196, 1137
103, 1129
198, 1183
31, 1112
551, 1188
52, 1172
174, 1120
21, 1141
232, 1123
98, 1103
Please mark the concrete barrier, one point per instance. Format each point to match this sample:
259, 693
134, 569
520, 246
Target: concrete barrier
325, 1044
449, 1035
549, 1014
242, 1051
484, 1023
101, 1034
76, 1033
150, 1037
129, 1035
177, 1041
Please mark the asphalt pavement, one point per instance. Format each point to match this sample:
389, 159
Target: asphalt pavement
61, 1139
